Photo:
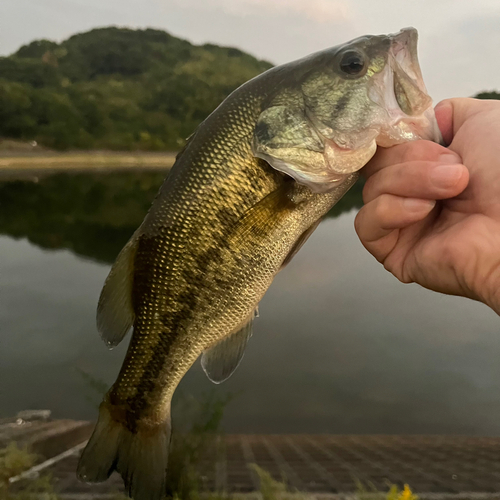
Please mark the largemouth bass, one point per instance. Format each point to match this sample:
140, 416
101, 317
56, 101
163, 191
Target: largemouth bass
251, 185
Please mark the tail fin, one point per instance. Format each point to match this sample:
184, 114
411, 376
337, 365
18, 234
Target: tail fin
140, 457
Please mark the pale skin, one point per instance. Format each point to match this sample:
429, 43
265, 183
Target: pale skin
431, 213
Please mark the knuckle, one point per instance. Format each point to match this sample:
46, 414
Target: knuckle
358, 223
402, 277
394, 263
388, 264
381, 207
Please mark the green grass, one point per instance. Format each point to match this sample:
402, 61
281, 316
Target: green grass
270, 489
187, 450
369, 492
192, 443
15, 460
196, 436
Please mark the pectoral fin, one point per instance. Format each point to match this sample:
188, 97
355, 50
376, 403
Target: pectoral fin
220, 361
115, 314
299, 243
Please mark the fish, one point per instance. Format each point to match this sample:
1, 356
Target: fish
251, 185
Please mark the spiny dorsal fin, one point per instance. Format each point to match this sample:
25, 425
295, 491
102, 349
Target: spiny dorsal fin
186, 144
115, 314
220, 361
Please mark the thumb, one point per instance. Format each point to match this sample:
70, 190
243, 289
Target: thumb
452, 113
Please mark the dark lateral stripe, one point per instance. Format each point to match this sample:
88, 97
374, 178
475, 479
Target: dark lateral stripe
184, 305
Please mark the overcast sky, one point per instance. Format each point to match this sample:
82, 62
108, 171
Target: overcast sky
459, 39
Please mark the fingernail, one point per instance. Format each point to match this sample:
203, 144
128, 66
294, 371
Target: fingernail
417, 205
445, 176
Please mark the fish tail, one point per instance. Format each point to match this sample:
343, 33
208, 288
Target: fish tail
139, 455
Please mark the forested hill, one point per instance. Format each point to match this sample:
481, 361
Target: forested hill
116, 88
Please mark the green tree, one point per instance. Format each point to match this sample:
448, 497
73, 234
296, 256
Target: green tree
488, 95
117, 88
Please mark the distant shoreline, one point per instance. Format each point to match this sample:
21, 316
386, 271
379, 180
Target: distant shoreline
33, 165
87, 160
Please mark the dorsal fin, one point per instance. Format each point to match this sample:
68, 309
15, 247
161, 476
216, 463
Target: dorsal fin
115, 313
186, 144
220, 361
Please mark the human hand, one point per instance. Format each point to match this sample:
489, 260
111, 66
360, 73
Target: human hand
432, 214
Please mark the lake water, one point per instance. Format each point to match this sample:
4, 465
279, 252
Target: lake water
340, 345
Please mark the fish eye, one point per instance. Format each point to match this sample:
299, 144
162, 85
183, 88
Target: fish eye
352, 63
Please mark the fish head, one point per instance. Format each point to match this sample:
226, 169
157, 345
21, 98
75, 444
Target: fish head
326, 121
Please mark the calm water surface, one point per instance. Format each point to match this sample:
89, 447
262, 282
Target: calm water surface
340, 346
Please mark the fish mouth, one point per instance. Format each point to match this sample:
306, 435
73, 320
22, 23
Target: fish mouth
401, 91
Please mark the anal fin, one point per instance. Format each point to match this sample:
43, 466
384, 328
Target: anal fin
220, 361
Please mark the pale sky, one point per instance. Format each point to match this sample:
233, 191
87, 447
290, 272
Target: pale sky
459, 39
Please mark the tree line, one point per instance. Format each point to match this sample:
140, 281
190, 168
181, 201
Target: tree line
116, 88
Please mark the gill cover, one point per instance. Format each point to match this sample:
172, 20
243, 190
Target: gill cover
286, 138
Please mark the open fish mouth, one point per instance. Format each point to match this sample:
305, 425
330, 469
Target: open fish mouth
363, 94
400, 90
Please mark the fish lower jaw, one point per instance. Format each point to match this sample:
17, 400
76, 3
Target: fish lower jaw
405, 128
342, 162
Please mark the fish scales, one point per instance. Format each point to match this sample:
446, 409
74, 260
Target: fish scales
248, 189
186, 265
181, 247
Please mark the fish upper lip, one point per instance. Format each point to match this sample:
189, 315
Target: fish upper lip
403, 56
403, 68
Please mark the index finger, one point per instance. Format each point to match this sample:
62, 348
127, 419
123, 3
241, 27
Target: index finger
452, 113
409, 151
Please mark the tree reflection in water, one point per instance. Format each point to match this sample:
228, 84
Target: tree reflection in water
91, 214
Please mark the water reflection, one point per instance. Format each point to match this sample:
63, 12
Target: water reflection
340, 345
91, 214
